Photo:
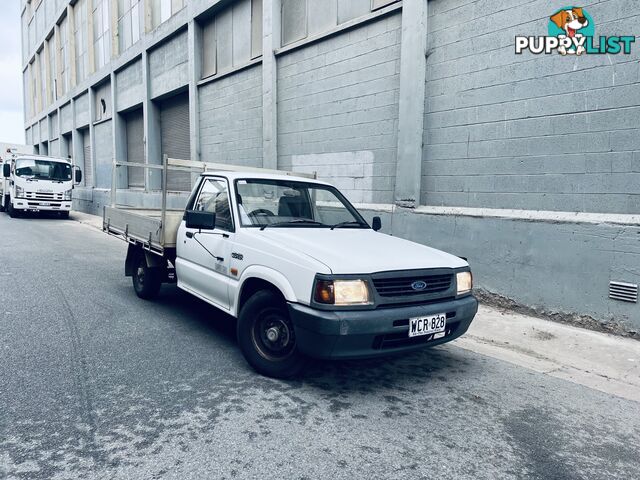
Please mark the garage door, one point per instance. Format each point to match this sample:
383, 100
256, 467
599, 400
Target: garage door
87, 173
135, 147
174, 128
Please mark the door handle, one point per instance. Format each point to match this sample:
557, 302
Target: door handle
189, 234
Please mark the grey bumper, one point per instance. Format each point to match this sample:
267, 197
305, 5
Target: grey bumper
371, 333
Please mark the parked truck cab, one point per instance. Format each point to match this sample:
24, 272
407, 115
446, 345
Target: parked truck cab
35, 183
299, 267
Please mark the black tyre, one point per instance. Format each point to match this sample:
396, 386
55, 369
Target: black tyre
13, 213
6, 202
267, 338
64, 215
146, 280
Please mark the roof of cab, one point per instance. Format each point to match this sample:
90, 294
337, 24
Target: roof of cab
39, 157
239, 175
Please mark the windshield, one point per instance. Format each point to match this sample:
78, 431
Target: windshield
43, 169
283, 203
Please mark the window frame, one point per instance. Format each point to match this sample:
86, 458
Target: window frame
192, 204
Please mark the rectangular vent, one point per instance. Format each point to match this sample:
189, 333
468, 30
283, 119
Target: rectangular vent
627, 292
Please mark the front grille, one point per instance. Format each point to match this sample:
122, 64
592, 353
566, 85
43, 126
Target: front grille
402, 339
45, 197
402, 286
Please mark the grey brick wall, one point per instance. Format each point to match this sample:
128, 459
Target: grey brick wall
129, 86
338, 102
231, 119
529, 131
169, 65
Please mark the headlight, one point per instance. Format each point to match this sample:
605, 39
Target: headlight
19, 191
464, 280
67, 194
342, 292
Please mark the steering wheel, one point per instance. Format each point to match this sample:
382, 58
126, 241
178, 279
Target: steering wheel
261, 211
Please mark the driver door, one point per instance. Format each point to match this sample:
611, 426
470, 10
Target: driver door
202, 263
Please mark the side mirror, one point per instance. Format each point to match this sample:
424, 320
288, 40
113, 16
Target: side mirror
78, 176
376, 224
200, 220
6, 170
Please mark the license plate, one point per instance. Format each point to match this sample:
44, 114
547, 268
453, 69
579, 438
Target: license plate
427, 325
45, 204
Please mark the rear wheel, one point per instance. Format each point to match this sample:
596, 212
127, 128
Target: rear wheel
267, 338
146, 280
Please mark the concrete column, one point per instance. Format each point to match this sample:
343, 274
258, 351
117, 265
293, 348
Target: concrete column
47, 67
270, 42
411, 109
152, 140
92, 136
119, 133
90, 45
195, 73
77, 146
58, 90
73, 69
115, 44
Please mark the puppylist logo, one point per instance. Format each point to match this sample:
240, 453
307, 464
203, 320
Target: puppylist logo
572, 32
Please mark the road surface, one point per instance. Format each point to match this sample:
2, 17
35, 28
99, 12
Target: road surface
96, 383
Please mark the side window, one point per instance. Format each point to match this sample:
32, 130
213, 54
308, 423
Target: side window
214, 197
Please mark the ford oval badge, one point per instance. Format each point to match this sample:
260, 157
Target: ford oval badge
419, 285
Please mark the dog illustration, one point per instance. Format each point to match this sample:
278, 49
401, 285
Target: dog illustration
570, 21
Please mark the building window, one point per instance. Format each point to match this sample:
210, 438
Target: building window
307, 18
162, 10
101, 32
129, 22
28, 109
80, 34
232, 38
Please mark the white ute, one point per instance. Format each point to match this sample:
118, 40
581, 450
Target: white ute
36, 183
297, 265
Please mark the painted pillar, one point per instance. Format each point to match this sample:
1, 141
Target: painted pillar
413, 64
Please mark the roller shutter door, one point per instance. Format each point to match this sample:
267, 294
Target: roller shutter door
174, 129
135, 147
88, 167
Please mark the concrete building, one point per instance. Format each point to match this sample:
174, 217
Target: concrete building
528, 165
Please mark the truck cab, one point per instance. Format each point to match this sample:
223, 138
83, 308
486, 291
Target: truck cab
35, 183
299, 267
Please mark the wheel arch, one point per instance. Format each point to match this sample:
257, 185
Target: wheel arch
261, 278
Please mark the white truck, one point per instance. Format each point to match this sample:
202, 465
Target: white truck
36, 183
297, 265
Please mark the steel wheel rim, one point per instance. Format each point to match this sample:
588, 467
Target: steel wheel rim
273, 335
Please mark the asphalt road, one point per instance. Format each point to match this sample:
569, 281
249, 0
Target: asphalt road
95, 383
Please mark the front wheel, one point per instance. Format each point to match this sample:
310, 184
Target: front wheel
64, 215
13, 213
146, 280
267, 338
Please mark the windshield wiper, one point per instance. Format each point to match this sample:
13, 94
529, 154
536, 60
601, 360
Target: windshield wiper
346, 224
291, 222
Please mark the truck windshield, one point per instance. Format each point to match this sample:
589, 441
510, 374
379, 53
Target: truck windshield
43, 169
283, 203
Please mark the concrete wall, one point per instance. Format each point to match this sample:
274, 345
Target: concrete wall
82, 111
103, 154
553, 266
339, 98
231, 119
529, 131
66, 118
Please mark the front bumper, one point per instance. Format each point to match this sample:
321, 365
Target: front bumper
372, 333
29, 205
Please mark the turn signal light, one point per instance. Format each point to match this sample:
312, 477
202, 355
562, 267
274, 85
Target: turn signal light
324, 292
